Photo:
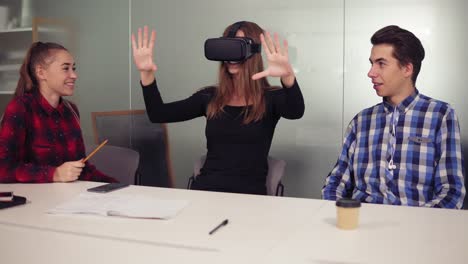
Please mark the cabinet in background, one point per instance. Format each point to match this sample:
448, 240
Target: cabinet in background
15, 43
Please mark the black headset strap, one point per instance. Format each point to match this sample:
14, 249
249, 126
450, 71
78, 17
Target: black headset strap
234, 28
232, 34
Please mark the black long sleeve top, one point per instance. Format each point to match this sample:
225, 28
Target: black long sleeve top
237, 153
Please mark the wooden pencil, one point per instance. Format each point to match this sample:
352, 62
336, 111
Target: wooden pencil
95, 150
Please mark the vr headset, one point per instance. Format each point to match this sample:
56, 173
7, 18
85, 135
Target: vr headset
231, 48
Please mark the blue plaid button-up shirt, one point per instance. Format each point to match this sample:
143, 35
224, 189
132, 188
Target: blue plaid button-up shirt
420, 136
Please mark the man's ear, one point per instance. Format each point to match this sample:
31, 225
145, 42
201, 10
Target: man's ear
40, 73
408, 70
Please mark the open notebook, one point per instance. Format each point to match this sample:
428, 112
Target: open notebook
123, 205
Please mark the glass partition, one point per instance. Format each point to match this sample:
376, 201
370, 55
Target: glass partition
314, 30
329, 50
99, 35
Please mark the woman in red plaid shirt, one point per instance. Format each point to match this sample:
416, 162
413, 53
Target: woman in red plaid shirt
40, 135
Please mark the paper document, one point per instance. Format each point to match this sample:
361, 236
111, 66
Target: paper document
123, 205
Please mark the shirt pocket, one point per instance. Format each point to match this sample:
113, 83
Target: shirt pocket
421, 151
420, 140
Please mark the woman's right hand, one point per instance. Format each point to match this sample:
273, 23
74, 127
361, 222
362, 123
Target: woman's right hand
143, 54
68, 171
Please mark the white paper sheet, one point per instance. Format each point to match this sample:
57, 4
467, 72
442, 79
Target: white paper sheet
123, 205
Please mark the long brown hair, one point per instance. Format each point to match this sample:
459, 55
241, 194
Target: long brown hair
252, 90
39, 53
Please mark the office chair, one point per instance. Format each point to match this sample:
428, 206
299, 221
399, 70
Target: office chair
132, 129
273, 181
117, 162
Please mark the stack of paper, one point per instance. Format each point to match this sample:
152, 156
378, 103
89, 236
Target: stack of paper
123, 205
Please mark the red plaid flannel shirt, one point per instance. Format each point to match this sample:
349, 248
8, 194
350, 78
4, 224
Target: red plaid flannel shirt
36, 138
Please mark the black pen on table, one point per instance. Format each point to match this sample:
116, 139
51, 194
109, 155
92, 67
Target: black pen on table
223, 223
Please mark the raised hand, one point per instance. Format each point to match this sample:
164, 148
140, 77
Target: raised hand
68, 171
143, 51
277, 58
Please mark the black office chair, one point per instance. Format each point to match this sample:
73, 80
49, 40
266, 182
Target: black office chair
117, 162
273, 182
133, 129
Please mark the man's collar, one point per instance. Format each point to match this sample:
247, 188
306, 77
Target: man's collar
404, 105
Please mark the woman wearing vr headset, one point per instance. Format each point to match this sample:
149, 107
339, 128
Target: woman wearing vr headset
242, 110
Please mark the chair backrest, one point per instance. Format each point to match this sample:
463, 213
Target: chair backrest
275, 174
133, 129
273, 181
118, 162
198, 164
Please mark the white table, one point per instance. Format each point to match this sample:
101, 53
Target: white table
256, 224
386, 234
261, 229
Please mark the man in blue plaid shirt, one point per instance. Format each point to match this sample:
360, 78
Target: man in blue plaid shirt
405, 150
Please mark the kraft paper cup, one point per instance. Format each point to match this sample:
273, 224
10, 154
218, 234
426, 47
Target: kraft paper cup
347, 213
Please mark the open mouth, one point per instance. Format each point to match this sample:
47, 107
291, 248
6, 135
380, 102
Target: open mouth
377, 85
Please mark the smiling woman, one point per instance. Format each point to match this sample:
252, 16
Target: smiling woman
40, 134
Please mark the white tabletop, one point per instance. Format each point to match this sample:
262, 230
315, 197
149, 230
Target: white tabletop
386, 234
261, 229
256, 223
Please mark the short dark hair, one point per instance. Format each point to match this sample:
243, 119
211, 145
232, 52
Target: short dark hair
407, 48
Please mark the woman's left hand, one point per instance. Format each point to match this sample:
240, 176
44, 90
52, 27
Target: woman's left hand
278, 61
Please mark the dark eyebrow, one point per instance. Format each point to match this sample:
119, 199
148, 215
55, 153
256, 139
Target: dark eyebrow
377, 60
67, 64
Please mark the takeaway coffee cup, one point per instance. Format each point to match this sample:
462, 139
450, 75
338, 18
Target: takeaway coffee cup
347, 213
